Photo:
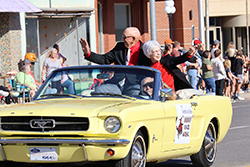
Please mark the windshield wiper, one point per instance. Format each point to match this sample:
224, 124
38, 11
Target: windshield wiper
112, 94
68, 95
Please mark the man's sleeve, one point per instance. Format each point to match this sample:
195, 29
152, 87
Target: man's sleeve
106, 58
181, 59
100, 58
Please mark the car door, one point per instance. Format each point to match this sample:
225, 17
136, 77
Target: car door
178, 129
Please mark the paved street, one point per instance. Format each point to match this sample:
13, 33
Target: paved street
233, 151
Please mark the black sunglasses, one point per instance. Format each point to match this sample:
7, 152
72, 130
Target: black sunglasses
125, 37
150, 84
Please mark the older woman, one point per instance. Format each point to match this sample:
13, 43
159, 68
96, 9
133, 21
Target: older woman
50, 64
171, 75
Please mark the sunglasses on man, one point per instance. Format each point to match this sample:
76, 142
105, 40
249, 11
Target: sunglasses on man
125, 37
150, 84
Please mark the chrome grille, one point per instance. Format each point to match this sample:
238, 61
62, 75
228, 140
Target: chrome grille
44, 124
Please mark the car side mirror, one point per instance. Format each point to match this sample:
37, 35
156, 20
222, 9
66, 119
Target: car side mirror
166, 93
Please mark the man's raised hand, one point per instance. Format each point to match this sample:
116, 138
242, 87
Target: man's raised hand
85, 46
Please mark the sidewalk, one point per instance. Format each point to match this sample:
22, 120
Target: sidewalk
245, 95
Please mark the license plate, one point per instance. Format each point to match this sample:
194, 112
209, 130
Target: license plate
43, 154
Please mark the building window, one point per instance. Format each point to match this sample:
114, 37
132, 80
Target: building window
214, 21
122, 19
31, 35
227, 35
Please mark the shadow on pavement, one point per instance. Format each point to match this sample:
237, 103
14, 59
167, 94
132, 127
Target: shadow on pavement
172, 163
169, 163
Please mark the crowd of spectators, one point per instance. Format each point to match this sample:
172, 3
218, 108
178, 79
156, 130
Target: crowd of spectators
205, 70
213, 73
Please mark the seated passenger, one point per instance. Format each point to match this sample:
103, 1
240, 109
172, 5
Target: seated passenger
171, 75
128, 84
147, 85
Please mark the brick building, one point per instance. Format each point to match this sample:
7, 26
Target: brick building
119, 14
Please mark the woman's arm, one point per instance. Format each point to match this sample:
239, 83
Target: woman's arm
43, 72
229, 75
181, 59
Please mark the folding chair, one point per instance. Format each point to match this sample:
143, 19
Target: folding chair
27, 93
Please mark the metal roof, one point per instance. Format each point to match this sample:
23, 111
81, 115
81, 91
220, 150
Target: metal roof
64, 12
18, 6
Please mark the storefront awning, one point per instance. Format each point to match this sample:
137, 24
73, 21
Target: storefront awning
63, 12
18, 6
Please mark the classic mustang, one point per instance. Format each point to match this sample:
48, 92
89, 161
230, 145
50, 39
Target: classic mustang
117, 115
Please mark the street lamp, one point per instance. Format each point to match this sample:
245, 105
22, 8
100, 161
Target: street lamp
170, 9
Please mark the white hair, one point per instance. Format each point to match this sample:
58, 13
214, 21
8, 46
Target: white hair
149, 46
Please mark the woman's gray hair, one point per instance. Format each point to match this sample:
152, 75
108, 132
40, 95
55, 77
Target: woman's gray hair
149, 46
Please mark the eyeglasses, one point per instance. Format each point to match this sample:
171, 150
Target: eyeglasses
156, 51
150, 84
125, 37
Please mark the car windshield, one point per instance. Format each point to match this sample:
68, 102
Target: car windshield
99, 81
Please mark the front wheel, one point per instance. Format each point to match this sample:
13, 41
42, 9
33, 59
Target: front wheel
137, 154
206, 156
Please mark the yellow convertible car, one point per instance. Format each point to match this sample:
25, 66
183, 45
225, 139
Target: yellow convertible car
117, 115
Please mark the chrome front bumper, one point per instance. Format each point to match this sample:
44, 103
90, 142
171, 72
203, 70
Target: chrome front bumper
83, 142
66, 141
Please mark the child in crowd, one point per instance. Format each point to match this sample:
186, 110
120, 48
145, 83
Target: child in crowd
207, 72
219, 72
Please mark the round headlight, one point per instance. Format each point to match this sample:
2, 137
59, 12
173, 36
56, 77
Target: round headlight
112, 124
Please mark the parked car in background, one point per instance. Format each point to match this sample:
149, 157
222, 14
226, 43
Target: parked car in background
118, 115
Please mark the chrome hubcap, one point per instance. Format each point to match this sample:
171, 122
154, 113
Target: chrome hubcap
210, 142
138, 158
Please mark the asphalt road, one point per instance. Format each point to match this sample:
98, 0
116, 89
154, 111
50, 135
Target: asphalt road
233, 151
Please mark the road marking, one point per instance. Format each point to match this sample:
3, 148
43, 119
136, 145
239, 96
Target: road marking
238, 127
240, 106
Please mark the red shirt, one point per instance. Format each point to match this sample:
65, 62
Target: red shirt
134, 54
166, 75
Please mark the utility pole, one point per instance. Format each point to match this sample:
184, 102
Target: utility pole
247, 29
201, 18
153, 20
207, 24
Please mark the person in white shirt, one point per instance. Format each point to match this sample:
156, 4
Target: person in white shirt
219, 72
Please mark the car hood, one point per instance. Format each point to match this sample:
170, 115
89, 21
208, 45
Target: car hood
67, 107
